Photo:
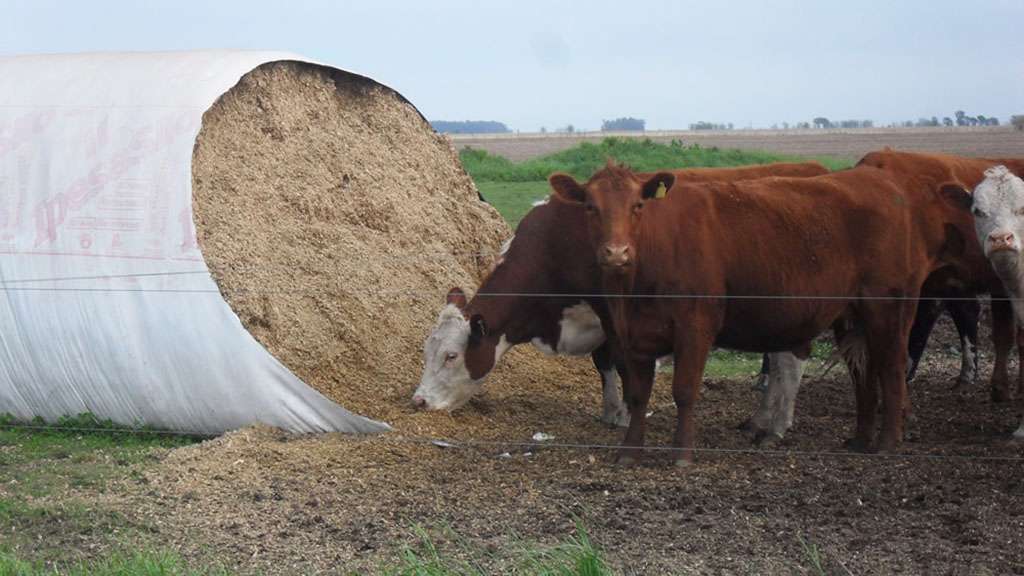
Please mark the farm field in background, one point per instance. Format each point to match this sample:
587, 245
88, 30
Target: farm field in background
848, 144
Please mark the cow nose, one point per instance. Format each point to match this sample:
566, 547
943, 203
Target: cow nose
1001, 239
615, 255
419, 401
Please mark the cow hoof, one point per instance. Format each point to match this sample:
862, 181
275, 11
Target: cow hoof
766, 440
962, 384
857, 445
1000, 395
887, 444
616, 419
627, 460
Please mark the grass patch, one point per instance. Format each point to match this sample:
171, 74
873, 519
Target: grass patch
731, 364
144, 563
40, 459
643, 155
513, 199
513, 187
81, 453
813, 556
577, 555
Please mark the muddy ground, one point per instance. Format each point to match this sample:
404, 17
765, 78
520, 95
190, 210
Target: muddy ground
260, 501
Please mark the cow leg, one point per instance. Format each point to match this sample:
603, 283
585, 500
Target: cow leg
924, 322
889, 330
1004, 329
639, 378
774, 416
691, 352
965, 316
761, 383
761, 420
788, 376
613, 408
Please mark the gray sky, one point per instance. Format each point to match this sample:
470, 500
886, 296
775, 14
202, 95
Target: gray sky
550, 63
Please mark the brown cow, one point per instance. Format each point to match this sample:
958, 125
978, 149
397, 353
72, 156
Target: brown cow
706, 265
925, 172
543, 258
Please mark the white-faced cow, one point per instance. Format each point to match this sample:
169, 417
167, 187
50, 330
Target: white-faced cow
926, 171
998, 208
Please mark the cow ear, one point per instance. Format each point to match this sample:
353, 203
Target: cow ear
477, 329
956, 195
658, 185
566, 187
457, 297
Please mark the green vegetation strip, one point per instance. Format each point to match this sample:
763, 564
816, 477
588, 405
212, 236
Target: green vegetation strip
643, 155
140, 563
513, 187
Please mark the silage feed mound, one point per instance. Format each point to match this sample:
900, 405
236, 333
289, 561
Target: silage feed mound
334, 220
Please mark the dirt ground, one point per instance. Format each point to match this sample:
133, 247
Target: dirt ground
952, 502
989, 141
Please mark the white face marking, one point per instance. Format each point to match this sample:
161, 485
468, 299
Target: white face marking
541, 202
581, 331
445, 383
999, 221
999, 211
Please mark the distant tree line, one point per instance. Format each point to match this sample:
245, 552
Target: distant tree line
702, 125
627, 124
469, 126
1017, 121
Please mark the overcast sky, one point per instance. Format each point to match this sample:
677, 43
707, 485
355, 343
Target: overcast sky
550, 63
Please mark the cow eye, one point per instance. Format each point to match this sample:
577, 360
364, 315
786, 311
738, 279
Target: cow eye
978, 212
638, 206
450, 356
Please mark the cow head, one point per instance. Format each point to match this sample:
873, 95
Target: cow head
614, 200
998, 208
458, 354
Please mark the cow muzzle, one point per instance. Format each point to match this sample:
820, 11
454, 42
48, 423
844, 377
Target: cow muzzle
616, 256
1001, 242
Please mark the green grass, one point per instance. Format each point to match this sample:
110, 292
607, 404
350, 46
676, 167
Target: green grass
513, 187
513, 199
730, 364
643, 155
577, 555
56, 462
140, 563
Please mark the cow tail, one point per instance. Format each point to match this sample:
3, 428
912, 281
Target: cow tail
854, 351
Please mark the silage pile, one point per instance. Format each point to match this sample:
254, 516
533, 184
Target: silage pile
334, 220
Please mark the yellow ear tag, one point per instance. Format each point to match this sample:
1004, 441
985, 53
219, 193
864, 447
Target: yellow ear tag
662, 191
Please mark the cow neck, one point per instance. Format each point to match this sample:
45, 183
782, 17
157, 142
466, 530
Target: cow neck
501, 303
